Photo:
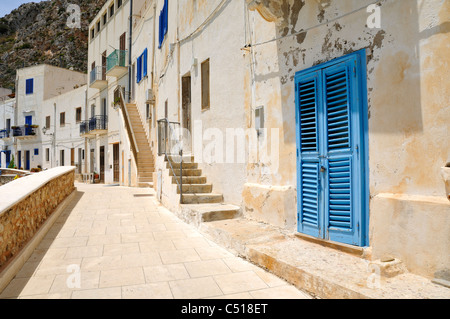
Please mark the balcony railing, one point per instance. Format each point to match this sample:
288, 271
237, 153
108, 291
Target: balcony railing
98, 123
4, 134
24, 130
116, 63
84, 127
97, 78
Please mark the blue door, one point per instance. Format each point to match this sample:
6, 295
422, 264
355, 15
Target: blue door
27, 160
8, 158
19, 155
331, 121
28, 123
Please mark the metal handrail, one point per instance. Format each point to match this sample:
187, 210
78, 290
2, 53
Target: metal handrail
166, 155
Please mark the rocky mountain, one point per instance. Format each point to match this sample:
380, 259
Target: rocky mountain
45, 32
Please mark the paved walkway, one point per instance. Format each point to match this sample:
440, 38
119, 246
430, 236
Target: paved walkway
118, 243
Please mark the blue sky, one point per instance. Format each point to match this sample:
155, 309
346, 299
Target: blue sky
6, 6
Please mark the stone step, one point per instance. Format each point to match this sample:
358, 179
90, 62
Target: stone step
177, 158
196, 188
186, 172
197, 214
190, 180
185, 165
201, 198
145, 179
145, 184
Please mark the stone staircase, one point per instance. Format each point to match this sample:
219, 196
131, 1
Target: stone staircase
198, 203
145, 162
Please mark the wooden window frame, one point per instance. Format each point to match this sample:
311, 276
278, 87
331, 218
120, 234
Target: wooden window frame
206, 84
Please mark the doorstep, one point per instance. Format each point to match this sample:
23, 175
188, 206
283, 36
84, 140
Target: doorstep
334, 271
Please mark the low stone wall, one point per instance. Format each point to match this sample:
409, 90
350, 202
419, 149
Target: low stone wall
5, 179
26, 203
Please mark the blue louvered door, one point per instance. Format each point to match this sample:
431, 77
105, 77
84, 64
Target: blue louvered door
331, 192
308, 165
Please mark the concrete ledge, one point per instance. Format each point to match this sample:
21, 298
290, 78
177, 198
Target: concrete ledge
321, 271
10, 270
414, 229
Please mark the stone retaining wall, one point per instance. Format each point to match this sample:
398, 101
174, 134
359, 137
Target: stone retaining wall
5, 179
20, 221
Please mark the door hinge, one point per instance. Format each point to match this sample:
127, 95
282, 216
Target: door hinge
357, 226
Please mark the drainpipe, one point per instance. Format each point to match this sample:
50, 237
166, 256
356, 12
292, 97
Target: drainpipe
129, 50
54, 135
85, 138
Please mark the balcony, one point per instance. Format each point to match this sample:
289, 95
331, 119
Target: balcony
4, 134
24, 131
84, 129
96, 125
98, 78
116, 64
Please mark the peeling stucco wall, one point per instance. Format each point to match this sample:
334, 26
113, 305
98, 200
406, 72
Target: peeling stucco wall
408, 61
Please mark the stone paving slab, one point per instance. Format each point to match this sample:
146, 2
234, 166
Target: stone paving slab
109, 243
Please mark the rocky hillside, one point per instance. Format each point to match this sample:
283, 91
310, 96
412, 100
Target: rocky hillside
37, 33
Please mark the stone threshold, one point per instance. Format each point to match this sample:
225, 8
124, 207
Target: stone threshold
334, 271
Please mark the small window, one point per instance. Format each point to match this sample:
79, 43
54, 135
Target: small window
78, 113
105, 18
47, 122
142, 66
47, 155
259, 119
147, 111
119, 3
62, 119
205, 85
36, 151
92, 33
98, 26
61, 157
163, 22
111, 11
29, 86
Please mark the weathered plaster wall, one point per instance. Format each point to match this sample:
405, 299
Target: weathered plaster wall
408, 72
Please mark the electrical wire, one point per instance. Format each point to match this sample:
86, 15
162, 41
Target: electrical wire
317, 25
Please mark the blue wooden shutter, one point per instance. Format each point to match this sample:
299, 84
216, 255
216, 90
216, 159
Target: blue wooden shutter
144, 63
139, 69
308, 98
332, 164
166, 16
340, 206
29, 86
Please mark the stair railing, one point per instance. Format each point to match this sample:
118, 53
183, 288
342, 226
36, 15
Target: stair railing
168, 142
119, 100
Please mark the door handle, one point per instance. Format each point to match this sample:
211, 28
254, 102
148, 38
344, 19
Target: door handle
323, 169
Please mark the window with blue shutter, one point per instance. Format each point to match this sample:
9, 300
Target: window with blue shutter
29, 86
139, 69
144, 63
163, 22
142, 66
331, 117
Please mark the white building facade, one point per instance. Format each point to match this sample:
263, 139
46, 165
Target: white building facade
35, 85
7, 111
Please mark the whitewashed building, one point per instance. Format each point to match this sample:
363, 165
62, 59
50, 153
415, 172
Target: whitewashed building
7, 108
35, 85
